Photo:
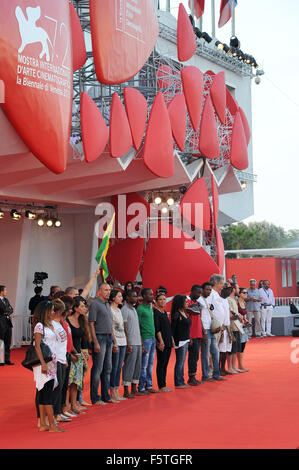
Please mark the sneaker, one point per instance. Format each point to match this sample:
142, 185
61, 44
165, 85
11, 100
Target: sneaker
192, 381
152, 390
258, 336
270, 334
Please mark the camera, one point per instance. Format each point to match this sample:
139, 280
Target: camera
39, 278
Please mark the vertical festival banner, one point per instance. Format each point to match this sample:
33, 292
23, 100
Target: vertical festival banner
124, 33
36, 67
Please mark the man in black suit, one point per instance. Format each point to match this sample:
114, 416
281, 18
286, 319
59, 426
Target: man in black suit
5, 324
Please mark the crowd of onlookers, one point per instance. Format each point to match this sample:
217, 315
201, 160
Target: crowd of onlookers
126, 329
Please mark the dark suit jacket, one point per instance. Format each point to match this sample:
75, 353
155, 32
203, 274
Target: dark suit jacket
5, 307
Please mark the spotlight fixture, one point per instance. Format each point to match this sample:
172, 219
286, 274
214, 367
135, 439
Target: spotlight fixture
30, 215
234, 52
50, 222
219, 45
158, 200
227, 49
40, 221
240, 54
164, 210
206, 37
182, 189
1, 214
234, 42
191, 20
57, 223
243, 185
170, 201
15, 214
197, 31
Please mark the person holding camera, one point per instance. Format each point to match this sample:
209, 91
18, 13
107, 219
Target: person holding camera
6, 311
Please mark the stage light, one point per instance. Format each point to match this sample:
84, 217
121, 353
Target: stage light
1, 214
15, 214
191, 20
197, 31
164, 210
234, 52
30, 215
227, 49
219, 45
246, 59
40, 221
170, 201
57, 223
243, 185
182, 189
206, 37
158, 200
240, 54
234, 42
50, 222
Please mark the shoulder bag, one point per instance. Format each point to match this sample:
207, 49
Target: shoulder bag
31, 358
215, 324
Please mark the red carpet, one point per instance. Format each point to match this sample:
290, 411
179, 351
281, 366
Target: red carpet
254, 410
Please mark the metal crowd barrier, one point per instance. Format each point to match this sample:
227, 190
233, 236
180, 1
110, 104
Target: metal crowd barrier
22, 330
286, 301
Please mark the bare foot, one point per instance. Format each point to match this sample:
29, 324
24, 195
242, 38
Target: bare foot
56, 429
44, 428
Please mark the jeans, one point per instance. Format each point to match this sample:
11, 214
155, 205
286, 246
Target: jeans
206, 349
147, 364
181, 354
101, 369
193, 356
117, 363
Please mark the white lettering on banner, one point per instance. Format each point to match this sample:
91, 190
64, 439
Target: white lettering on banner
128, 18
44, 74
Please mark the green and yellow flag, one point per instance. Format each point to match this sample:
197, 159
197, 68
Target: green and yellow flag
102, 252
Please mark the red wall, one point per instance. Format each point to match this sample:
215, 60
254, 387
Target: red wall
262, 268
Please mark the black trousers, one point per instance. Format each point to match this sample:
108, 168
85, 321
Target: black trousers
57, 393
44, 396
6, 334
66, 380
162, 363
193, 356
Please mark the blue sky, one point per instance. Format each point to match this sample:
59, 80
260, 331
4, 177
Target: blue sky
267, 30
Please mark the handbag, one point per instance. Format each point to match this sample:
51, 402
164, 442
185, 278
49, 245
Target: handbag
239, 326
215, 324
31, 358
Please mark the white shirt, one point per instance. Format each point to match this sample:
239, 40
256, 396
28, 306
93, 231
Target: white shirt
205, 314
218, 312
61, 342
226, 309
267, 296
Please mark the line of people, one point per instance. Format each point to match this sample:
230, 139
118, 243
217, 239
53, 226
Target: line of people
124, 338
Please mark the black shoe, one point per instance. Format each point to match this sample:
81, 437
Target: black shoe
8, 363
2, 364
220, 378
192, 381
198, 381
211, 379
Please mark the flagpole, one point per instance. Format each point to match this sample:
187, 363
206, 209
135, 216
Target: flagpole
233, 18
192, 8
213, 17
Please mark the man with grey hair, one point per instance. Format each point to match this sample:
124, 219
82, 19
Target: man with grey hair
253, 303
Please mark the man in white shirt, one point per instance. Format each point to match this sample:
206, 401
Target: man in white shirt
267, 305
253, 303
210, 296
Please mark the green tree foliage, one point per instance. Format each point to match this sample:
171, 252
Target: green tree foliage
258, 235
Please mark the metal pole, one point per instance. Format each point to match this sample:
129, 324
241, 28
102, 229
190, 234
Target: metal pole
213, 17
168, 5
200, 23
233, 18
192, 8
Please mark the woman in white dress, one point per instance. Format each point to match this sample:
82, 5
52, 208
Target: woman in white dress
45, 373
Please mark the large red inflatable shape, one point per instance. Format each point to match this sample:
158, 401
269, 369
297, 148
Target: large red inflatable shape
37, 70
124, 33
186, 40
168, 262
78, 41
95, 133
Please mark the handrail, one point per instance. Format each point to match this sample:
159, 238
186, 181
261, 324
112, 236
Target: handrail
286, 301
22, 330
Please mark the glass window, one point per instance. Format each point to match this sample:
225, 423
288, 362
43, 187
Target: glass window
284, 273
290, 279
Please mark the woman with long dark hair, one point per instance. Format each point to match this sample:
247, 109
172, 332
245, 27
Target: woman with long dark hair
45, 373
118, 353
180, 326
164, 340
80, 329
